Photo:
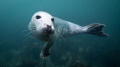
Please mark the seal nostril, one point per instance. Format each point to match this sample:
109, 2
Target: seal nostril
49, 29
48, 26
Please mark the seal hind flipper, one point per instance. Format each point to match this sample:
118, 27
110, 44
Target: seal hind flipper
46, 50
95, 29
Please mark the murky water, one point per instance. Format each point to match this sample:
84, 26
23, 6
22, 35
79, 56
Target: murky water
84, 50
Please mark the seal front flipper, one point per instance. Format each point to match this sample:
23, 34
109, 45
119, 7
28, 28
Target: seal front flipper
46, 50
95, 29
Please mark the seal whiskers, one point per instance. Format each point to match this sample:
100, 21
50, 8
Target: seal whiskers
34, 34
29, 33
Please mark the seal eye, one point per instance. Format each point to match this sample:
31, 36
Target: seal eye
52, 19
38, 17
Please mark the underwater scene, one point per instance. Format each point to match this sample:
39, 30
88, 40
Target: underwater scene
18, 48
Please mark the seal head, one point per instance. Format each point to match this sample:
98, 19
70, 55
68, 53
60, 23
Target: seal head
42, 24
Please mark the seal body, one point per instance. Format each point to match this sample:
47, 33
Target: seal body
66, 28
48, 29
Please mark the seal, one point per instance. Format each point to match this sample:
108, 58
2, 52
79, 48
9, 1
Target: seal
48, 29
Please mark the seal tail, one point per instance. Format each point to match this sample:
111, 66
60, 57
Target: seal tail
95, 29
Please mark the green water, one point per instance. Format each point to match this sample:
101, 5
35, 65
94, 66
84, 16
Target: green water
84, 50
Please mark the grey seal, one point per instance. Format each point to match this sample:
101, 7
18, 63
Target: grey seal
48, 28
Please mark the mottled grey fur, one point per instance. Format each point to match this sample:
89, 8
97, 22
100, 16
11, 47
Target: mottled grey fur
62, 29
65, 29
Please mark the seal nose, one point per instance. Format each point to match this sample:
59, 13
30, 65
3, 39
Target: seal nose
49, 30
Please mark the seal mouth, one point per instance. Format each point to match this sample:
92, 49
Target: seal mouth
48, 31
